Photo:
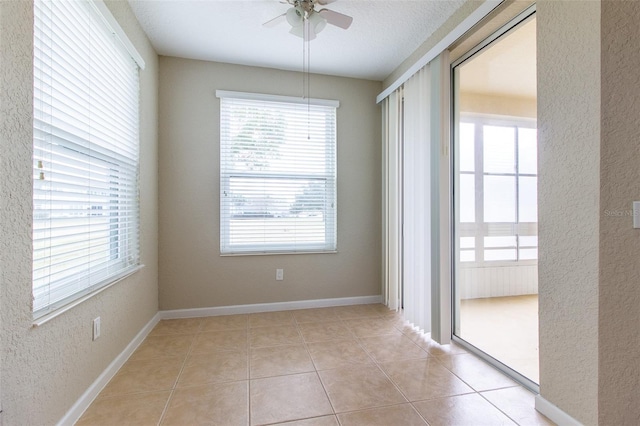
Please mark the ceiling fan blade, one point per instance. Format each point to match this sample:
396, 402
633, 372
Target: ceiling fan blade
336, 18
275, 21
324, 2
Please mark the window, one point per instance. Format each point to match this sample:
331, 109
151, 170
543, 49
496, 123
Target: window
277, 174
85, 175
498, 189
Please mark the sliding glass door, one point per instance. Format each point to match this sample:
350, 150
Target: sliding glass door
495, 200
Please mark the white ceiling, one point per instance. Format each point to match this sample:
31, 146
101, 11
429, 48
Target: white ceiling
383, 34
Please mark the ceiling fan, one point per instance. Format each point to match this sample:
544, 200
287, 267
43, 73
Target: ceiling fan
306, 21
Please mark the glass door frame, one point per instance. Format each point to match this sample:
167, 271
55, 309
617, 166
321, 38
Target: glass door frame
521, 18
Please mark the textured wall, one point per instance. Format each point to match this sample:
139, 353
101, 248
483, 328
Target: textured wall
46, 369
569, 203
192, 272
619, 331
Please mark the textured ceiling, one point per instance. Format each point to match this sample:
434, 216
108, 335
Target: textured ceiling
383, 34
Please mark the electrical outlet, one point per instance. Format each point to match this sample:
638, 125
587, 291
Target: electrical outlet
279, 274
96, 328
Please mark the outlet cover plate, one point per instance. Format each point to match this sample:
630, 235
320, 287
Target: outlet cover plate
96, 328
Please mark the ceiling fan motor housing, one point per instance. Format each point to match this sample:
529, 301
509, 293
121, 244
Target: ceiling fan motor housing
303, 11
305, 5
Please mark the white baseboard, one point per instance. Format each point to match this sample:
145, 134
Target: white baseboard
76, 411
554, 413
268, 307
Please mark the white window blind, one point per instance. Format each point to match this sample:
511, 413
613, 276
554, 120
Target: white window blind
277, 174
85, 191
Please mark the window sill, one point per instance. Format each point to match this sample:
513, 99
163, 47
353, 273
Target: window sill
61, 310
277, 253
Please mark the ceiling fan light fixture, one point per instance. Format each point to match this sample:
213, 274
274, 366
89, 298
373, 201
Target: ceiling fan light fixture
317, 22
305, 21
300, 32
297, 31
295, 17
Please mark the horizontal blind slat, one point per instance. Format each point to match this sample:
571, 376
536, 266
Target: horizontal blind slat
278, 176
86, 150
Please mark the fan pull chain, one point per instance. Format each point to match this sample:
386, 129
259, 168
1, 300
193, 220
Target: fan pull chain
308, 81
306, 64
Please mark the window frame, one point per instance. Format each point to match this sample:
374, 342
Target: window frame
226, 176
122, 167
480, 229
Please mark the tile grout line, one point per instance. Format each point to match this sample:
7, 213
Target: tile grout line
315, 367
419, 413
362, 410
411, 403
478, 392
175, 384
377, 364
496, 407
462, 380
357, 341
386, 375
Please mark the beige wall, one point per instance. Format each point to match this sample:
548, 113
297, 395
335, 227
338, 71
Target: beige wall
192, 272
481, 103
569, 203
619, 322
46, 369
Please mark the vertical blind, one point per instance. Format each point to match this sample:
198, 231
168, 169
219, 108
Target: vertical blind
392, 129
407, 208
85, 168
417, 200
277, 174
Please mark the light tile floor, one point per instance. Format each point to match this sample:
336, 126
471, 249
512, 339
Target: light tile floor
351, 365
